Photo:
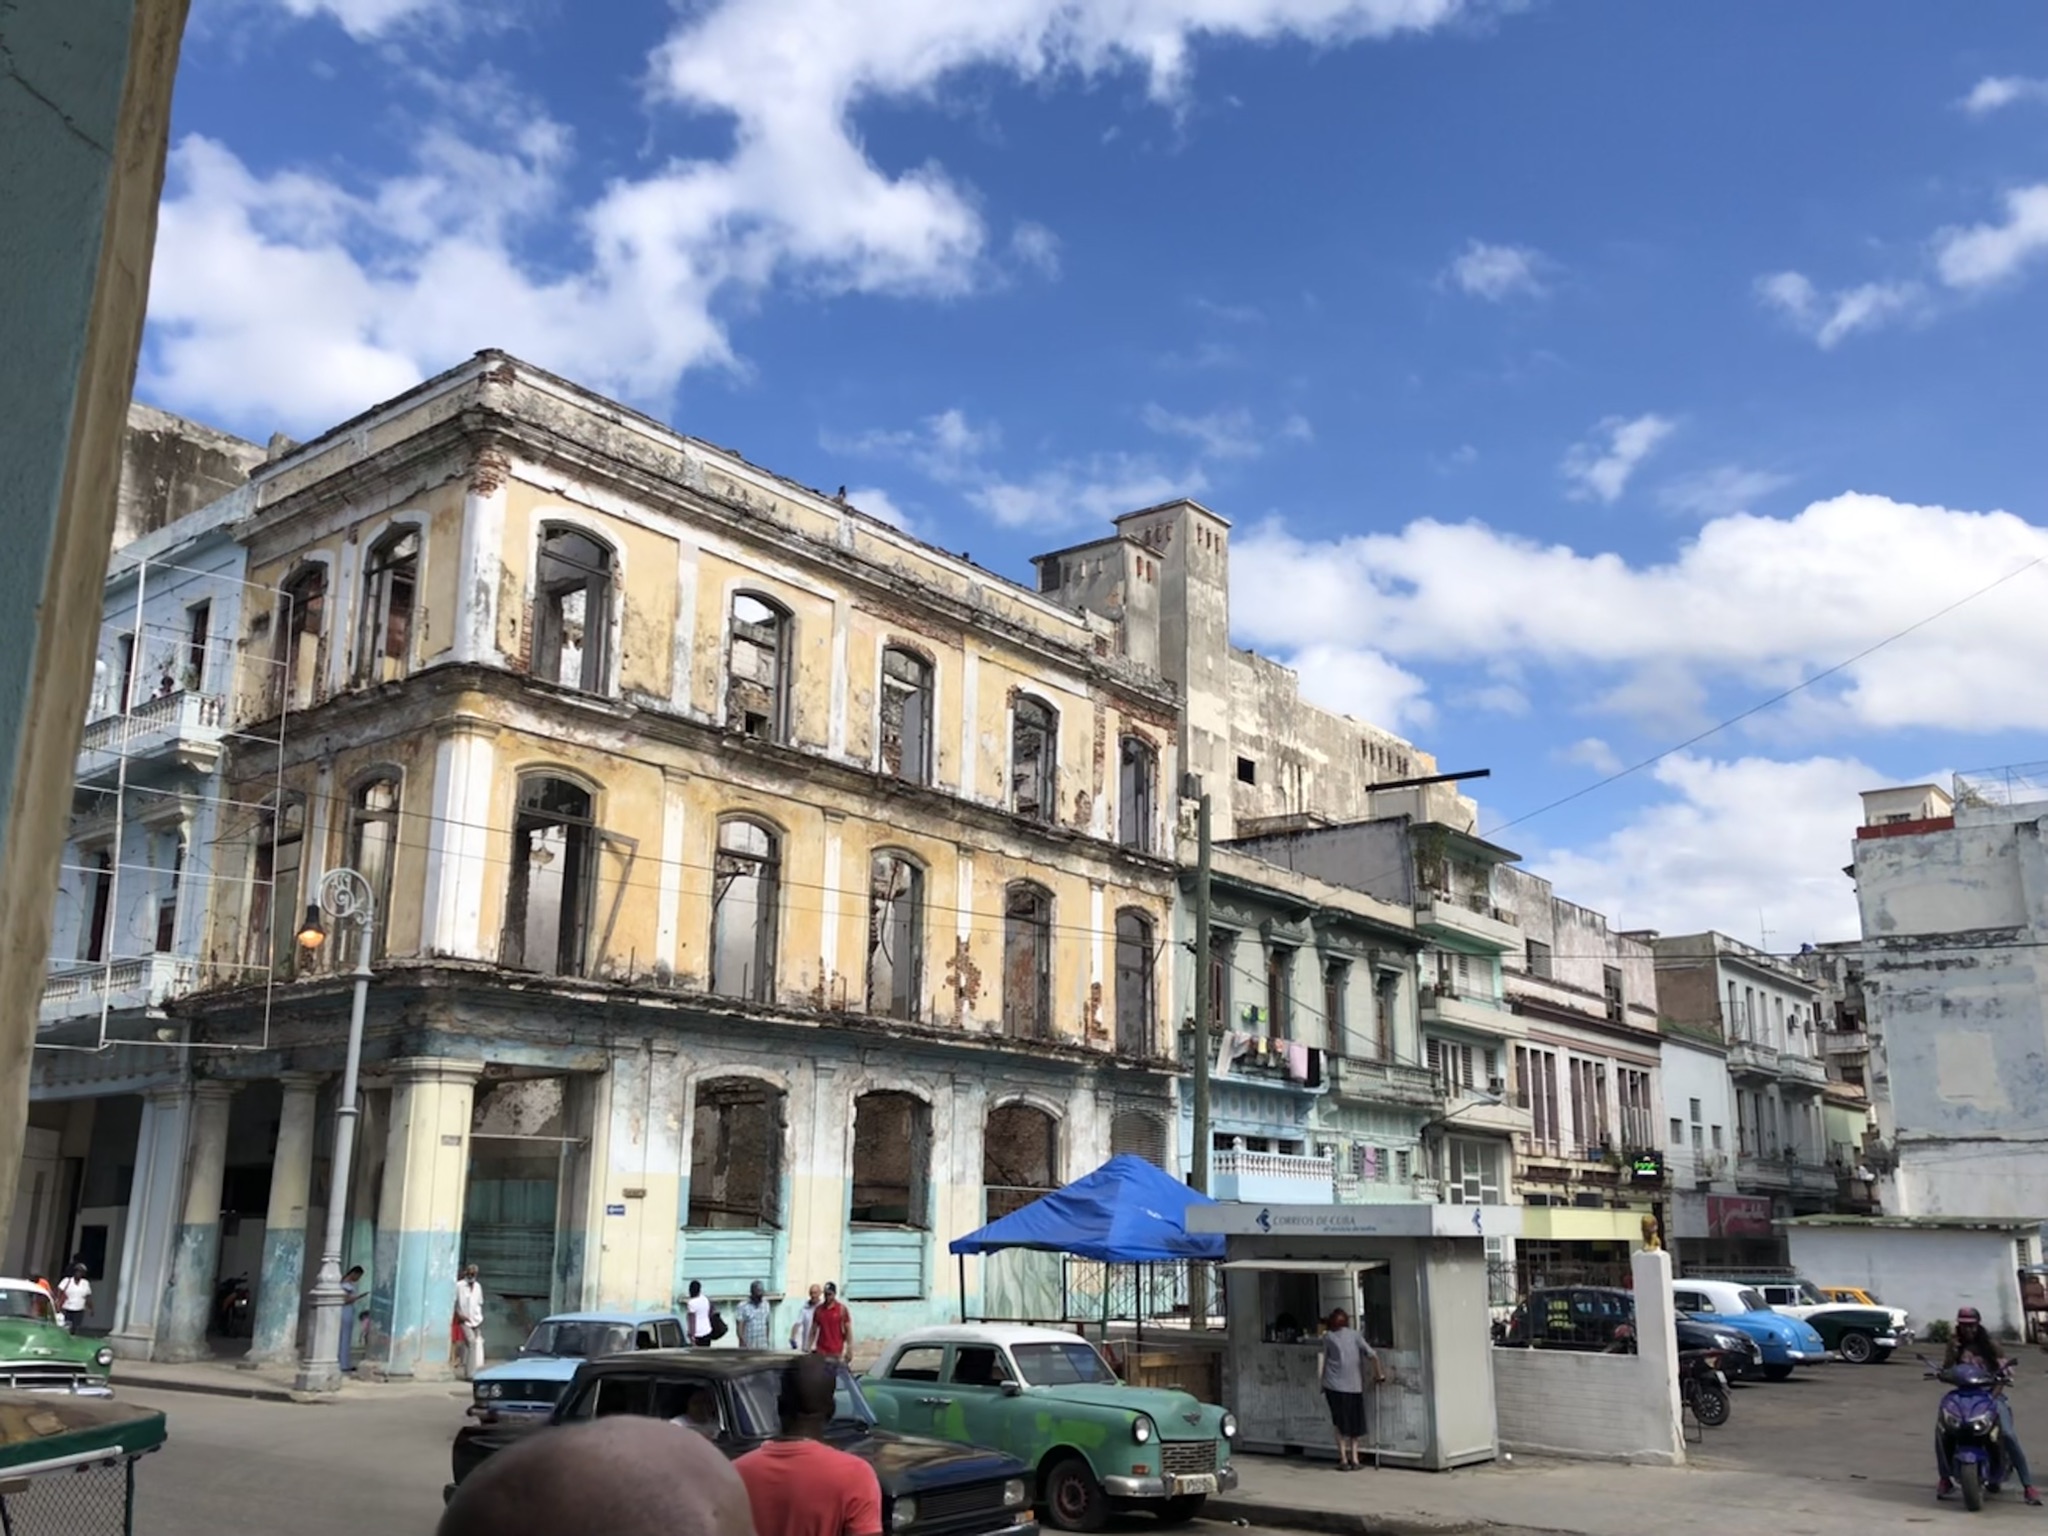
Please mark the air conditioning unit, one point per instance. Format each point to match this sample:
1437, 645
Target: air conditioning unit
1497, 1086
1425, 995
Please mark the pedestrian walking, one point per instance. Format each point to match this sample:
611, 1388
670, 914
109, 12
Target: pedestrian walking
832, 1326
800, 1331
698, 1310
752, 1316
798, 1485
351, 1293
74, 1297
1345, 1353
469, 1319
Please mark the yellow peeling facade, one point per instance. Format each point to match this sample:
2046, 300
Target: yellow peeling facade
770, 895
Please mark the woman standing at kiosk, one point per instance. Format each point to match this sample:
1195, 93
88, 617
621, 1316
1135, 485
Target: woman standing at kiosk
1345, 1354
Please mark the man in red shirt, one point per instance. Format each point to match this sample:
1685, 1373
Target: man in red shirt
832, 1327
798, 1485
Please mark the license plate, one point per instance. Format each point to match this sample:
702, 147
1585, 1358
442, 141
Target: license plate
1195, 1482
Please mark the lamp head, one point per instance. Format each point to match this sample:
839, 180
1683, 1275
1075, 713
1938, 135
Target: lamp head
312, 932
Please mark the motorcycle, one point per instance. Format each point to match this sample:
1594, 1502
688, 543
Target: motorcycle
231, 1309
1703, 1386
1967, 1428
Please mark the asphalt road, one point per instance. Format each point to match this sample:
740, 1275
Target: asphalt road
1865, 1425
335, 1469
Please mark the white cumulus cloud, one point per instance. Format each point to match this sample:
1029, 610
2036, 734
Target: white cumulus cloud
1831, 318
1985, 254
1496, 272
1995, 91
1364, 684
1600, 467
1721, 490
283, 294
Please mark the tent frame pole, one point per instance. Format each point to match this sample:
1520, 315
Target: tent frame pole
963, 1285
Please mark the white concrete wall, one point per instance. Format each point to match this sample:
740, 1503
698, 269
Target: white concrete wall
1929, 1272
1694, 1072
1557, 1402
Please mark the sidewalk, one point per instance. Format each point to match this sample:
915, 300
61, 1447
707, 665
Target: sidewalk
1576, 1498
271, 1383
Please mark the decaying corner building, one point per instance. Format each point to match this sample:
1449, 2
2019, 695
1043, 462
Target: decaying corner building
761, 893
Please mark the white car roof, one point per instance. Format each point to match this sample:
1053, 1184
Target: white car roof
1006, 1334
1721, 1288
20, 1285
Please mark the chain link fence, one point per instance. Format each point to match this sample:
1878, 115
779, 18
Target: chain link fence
95, 1500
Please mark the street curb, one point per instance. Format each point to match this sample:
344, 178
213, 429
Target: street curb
216, 1389
1341, 1522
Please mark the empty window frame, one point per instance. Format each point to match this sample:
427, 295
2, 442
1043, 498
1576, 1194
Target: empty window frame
373, 846
1611, 991
1539, 958
1135, 1028
100, 881
274, 893
895, 935
1034, 759
1027, 962
892, 1156
198, 627
172, 856
1019, 1158
548, 895
390, 588
757, 666
906, 716
736, 1155
1137, 788
1336, 982
745, 889
298, 643
1279, 992
1222, 962
572, 609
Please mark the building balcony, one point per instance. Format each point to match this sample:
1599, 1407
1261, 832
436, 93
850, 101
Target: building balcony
1491, 926
1751, 1058
1478, 1013
1845, 1042
1802, 1071
82, 989
1385, 1082
1272, 1178
1699, 1169
183, 729
1251, 1058
1763, 1173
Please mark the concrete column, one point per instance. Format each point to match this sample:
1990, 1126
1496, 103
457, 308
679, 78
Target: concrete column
280, 1291
1657, 1352
152, 1220
367, 1179
195, 1248
419, 1215
639, 1171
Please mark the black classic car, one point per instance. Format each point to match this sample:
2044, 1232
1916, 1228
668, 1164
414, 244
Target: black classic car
1585, 1317
929, 1487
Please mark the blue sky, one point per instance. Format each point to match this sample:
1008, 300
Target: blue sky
1575, 375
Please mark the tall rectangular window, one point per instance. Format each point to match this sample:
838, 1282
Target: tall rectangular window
1611, 992
1033, 759
299, 642
549, 889
173, 854
906, 716
1538, 958
198, 621
1386, 995
1134, 1009
1336, 979
1137, 774
373, 845
572, 610
758, 669
895, 936
1027, 962
1536, 1091
1222, 954
390, 579
94, 948
1279, 992
745, 900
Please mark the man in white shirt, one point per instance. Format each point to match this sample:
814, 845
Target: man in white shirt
469, 1313
74, 1297
800, 1334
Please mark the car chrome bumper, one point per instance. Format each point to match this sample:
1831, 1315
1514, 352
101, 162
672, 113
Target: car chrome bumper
1889, 1341
49, 1389
1162, 1487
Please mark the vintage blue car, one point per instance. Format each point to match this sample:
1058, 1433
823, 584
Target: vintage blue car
527, 1387
1785, 1341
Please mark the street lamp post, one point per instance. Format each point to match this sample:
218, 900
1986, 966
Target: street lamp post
346, 898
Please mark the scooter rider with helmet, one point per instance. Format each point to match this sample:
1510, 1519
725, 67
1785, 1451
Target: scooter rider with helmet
1970, 1342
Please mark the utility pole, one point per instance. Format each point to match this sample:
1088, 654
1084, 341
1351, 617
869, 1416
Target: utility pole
1198, 1168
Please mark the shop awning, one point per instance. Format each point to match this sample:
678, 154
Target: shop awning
1306, 1266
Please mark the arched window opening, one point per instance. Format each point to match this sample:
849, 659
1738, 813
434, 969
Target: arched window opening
571, 610
1019, 1158
757, 669
299, 649
1027, 962
548, 899
390, 585
745, 883
1140, 1133
895, 936
1134, 1010
1034, 759
1137, 787
906, 715
372, 847
736, 1155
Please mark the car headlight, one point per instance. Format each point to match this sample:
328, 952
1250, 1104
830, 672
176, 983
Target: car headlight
480, 1391
1015, 1493
1229, 1426
1141, 1429
103, 1357
904, 1515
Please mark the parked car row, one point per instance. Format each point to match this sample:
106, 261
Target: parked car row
39, 1354
1733, 1320
969, 1429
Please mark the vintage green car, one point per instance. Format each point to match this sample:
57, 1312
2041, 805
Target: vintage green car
37, 1353
1048, 1399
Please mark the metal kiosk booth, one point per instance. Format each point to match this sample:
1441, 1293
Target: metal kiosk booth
67, 1464
1414, 1277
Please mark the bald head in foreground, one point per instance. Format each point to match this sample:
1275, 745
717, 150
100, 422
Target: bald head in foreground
616, 1477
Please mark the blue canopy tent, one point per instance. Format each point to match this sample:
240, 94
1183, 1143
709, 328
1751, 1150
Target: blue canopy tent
1128, 1211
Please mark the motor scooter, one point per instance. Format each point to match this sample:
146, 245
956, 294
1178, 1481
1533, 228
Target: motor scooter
1967, 1428
1703, 1386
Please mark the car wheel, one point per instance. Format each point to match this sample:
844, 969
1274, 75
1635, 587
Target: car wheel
1777, 1372
1181, 1510
1074, 1501
1858, 1348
